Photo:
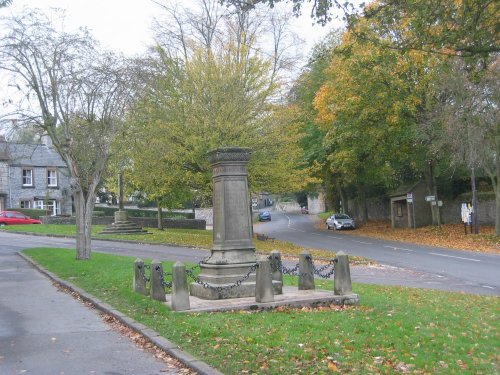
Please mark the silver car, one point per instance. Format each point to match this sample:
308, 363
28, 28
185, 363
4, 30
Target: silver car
340, 221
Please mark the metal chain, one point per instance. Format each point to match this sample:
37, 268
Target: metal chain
142, 271
318, 271
277, 265
162, 274
224, 290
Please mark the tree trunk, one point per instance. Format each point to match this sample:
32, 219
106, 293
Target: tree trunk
343, 201
474, 202
432, 188
496, 185
83, 212
160, 216
84, 206
362, 203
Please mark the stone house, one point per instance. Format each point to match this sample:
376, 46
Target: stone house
33, 176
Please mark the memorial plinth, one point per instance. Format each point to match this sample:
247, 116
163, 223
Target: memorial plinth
232, 253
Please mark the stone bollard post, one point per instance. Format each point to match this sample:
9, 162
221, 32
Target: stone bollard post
139, 283
342, 275
180, 293
306, 275
264, 284
276, 274
157, 290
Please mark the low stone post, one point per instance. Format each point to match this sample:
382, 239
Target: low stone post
306, 275
157, 290
139, 284
180, 293
342, 275
276, 273
264, 284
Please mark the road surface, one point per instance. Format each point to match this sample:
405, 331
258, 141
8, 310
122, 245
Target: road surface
457, 270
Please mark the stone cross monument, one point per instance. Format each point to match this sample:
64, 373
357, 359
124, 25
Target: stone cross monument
233, 253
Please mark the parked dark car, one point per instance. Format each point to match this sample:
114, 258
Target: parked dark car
340, 221
14, 217
265, 216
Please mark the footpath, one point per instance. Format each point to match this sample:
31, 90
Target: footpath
45, 331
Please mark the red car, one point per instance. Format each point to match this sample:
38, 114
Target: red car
14, 217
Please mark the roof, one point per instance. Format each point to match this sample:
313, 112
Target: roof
404, 189
36, 155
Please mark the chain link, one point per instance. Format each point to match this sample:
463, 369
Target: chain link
318, 271
162, 274
223, 290
277, 265
142, 271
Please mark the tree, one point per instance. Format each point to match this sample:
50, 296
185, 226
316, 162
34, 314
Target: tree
462, 28
209, 88
469, 115
75, 94
369, 107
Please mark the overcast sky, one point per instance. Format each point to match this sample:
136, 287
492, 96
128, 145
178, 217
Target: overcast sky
124, 25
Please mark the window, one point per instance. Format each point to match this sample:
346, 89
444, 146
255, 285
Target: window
27, 177
25, 204
399, 210
52, 206
51, 177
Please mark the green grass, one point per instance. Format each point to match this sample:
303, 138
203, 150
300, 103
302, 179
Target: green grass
393, 328
184, 237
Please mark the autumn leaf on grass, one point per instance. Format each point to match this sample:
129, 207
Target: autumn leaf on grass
332, 366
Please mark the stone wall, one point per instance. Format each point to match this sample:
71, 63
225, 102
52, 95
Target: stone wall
379, 209
144, 222
451, 212
316, 204
292, 207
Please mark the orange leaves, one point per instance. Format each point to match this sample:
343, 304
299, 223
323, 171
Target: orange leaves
449, 235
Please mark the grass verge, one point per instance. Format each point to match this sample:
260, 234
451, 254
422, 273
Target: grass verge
184, 237
394, 330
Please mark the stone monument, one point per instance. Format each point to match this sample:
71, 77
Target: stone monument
233, 254
122, 225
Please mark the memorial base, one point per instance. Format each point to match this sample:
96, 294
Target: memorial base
225, 276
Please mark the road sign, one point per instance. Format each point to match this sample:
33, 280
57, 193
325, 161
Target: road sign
430, 198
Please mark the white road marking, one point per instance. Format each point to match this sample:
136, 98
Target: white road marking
398, 248
338, 238
364, 243
316, 234
452, 256
487, 286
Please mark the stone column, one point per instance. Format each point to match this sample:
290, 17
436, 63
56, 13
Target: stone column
139, 283
342, 275
233, 252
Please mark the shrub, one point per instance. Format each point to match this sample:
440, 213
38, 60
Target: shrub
110, 211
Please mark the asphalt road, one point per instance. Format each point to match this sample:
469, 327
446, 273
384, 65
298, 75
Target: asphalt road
46, 332
457, 270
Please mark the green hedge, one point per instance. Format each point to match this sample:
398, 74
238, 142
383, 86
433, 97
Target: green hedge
110, 211
34, 213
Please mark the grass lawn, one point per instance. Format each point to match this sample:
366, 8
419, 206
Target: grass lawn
393, 330
185, 237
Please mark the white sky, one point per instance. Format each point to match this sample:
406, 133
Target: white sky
124, 25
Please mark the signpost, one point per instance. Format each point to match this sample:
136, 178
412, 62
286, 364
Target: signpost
430, 198
409, 199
